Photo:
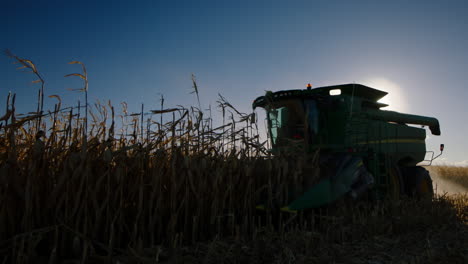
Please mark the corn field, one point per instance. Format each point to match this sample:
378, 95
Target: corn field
85, 182
128, 180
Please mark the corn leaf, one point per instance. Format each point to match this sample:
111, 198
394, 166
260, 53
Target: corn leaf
76, 74
75, 62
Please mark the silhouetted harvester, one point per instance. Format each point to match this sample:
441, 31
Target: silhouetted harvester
361, 149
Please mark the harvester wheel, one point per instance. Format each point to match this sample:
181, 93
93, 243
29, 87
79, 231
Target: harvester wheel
418, 182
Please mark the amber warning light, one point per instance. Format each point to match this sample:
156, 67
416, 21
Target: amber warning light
309, 86
442, 147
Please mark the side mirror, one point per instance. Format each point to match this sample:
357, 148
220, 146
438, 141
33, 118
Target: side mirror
433, 158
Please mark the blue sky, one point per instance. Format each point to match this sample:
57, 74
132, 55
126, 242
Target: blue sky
417, 50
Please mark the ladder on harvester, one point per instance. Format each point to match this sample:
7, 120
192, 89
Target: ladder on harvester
357, 133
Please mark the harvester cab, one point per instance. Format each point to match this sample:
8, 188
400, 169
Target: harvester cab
360, 147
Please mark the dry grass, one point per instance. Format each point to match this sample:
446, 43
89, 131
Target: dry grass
166, 184
457, 175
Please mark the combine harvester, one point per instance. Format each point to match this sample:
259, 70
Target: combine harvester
362, 150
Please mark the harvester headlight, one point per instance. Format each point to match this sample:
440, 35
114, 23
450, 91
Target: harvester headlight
335, 92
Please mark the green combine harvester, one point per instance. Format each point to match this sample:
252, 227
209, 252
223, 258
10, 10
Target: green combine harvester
362, 150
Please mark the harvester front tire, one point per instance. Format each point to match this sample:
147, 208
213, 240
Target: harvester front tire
419, 183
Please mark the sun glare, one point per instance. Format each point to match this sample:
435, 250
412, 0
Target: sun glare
395, 98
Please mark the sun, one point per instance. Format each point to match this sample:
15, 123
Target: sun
395, 98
